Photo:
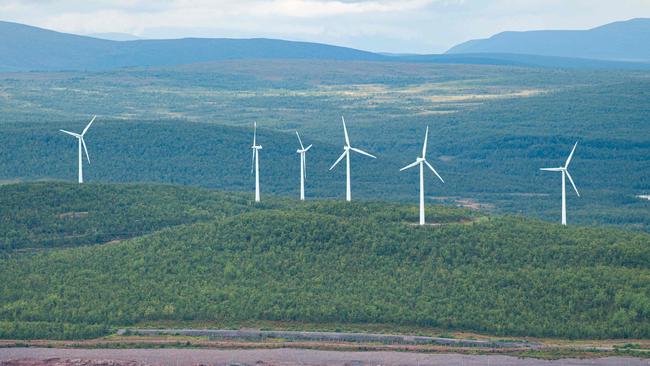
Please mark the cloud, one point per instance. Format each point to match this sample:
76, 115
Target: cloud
423, 26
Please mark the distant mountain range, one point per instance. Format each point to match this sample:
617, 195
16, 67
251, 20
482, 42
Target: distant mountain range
620, 45
618, 41
25, 47
115, 36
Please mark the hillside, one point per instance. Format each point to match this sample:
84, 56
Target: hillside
191, 125
324, 261
28, 48
47, 215
621, 41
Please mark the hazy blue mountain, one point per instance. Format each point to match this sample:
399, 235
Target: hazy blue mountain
115, 36
621, 41
24, 47
525, 60
27, 48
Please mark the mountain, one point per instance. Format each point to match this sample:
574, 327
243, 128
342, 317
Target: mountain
115, 36
525, 60
26, 48
327, 262
618, 41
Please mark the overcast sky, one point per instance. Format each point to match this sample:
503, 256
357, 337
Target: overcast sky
401, 26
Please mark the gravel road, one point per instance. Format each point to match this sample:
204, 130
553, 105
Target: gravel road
291, 357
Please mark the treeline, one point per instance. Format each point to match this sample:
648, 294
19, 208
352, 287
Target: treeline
49, 214
46, 330
486, 145
330, 262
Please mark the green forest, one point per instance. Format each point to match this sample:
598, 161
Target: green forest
492, 128
177, 253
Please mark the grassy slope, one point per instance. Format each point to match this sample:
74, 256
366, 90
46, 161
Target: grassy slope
350, 263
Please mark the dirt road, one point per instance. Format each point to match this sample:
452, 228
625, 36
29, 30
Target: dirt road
291, 357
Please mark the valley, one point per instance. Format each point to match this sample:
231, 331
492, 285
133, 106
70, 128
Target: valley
494, 122
418, 229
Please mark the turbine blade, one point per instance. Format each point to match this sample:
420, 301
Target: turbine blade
299, 140
410, 165
571, 180
434, 171
254, 133
304, 164
424, 147
71, 133
339, 159
552, 169
362, 152
85, 149
88, 126
308, 147
345, 130
566, 165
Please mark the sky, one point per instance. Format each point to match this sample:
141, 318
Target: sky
397, 26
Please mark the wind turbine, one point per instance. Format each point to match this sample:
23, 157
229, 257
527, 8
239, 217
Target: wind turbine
256, 162
303, 166
565, 174
346, 155
80, 137
421, 161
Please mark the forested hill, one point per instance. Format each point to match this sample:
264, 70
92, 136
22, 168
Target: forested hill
324, 262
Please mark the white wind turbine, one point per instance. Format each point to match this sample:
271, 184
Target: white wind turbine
346, 155
256, 162
80, 137
303, 166
421, 161
565, 174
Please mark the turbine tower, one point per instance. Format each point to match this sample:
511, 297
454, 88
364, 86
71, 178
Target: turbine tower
80, 138
421, 161
303, 166
346, 154
256, 162
565, 174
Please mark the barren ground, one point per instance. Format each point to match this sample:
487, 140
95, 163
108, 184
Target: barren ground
283, 356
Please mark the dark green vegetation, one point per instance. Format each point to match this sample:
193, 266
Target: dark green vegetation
321, 262
491, 129
46, 215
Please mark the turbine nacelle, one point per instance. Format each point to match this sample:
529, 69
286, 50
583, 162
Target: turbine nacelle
82, 144
346, 154
421, 161
304, 150
565, 174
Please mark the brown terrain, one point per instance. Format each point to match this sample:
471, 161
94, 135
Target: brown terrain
281, 356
